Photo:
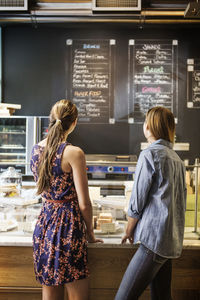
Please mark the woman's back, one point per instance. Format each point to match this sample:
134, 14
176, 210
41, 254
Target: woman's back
61, 185
59, 240
160, 193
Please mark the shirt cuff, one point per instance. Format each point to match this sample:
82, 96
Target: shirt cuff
133, 214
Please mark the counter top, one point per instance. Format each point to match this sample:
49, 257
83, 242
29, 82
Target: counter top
19, 238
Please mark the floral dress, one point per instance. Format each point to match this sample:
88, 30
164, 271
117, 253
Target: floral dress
59, 239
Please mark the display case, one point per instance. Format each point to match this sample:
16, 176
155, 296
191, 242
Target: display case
42, 127
18, 213
17, 137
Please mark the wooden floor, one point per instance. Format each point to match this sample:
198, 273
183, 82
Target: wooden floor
107, 265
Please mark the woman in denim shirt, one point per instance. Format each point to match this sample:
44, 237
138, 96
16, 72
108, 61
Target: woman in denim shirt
156, 213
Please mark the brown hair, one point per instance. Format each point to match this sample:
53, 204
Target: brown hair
160, 121
62, 115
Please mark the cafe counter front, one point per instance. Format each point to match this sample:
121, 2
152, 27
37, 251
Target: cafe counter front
107, 263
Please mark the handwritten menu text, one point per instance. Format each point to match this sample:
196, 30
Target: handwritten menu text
152, 76
91, 79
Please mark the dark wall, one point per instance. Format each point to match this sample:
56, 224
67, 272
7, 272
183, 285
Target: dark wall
35, 75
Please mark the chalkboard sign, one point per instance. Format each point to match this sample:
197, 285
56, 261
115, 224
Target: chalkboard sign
193, 83
153, 78
91, 86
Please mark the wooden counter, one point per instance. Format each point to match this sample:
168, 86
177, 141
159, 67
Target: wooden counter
107, 264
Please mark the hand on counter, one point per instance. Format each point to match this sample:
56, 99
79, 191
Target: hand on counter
92, 239
129, 235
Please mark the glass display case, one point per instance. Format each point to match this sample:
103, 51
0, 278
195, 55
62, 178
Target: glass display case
17, 137
10, 183
42, 127
18, 214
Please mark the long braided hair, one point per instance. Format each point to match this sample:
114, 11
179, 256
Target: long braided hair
62, 115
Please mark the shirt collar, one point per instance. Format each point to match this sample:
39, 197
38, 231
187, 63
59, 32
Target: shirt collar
162, 142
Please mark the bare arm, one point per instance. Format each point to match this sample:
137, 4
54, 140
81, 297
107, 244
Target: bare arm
76, 158
130, 230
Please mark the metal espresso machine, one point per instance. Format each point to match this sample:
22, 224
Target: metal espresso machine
110, 179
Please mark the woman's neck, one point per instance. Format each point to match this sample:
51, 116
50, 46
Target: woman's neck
151, 139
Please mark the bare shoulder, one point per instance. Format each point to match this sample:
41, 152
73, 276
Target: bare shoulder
73, 152
42, 143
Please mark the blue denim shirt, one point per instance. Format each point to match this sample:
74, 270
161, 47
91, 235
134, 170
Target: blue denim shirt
158, 200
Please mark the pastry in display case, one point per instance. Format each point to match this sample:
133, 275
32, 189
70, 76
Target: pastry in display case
19, 217
31, 213
110, 181
10, 183
109, 213
19, 208
7, 222
105, 222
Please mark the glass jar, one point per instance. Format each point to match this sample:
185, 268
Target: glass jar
10, 183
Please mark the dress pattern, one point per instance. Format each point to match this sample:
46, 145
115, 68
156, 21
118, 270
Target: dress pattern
59, 238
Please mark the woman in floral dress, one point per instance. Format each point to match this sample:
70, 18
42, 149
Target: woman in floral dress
59, 238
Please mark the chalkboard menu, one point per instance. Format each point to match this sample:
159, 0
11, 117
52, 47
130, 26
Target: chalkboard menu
153, 77
91, 80
193, 83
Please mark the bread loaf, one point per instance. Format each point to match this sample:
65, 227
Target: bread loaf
104, 218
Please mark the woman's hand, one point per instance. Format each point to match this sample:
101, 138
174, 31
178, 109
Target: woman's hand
129, 235
91, 238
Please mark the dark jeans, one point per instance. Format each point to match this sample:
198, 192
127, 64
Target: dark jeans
146, 268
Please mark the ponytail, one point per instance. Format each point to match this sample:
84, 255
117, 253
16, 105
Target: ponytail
63, 114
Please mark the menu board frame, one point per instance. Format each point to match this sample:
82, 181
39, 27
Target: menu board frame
142, 96
193, 83
0, 65
95, 102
